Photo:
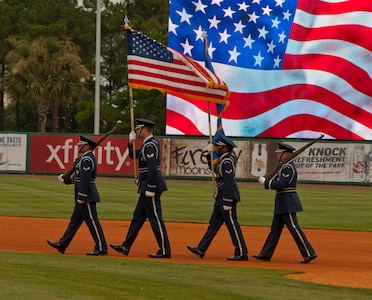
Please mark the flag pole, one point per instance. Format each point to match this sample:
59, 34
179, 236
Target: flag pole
127, 27
211, 152
132, 129
97, 99
209, 122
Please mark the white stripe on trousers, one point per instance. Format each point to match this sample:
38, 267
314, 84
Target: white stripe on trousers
299, 235
236, 233
159, 225
95, 227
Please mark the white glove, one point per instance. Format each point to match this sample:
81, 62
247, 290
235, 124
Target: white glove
80, 202
210, 147
226, 207
60, 178
261, 180
132, 136
149, 194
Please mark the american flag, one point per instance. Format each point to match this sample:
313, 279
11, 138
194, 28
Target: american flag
152, 65
295, 69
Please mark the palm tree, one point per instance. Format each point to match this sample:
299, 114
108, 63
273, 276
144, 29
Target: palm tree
67, 84
51, 71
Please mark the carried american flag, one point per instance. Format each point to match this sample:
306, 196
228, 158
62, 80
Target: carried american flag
152, 65
294, 68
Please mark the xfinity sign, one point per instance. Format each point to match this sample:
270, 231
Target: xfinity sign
107, 154
59, 153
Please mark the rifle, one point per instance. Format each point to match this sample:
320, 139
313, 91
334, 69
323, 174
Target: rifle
290, 157
68, 173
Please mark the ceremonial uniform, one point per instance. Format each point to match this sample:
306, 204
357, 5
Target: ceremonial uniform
287, 204
86, 198
151, 185
224, 210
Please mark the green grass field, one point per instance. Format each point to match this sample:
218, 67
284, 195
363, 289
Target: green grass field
46, 276
188, 201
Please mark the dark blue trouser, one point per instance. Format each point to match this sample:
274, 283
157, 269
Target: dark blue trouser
87, 213
290, 220
229, 217
149, 208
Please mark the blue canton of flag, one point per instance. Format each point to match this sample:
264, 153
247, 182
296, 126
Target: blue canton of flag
141, 45
251, 34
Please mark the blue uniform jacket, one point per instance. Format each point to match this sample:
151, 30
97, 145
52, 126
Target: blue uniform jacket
285, 182
85, 173
228, 191
150, 177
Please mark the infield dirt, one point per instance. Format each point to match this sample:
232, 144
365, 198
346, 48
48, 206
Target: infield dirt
345, 257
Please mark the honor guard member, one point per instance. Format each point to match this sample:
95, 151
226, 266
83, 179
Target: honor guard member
225, 204
150, 187
86, 198
287, 204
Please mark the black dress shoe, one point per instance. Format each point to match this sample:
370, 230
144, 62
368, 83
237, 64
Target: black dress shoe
261, 257
120, 248
97, 252
238, 257
159, 255
198, 252
57, 246
308, 259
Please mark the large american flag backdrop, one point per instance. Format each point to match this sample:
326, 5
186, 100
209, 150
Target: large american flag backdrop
295, 69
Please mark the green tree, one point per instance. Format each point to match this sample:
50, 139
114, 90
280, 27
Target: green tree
17, 90
8, 19
144, 16
151, 18
63, 20
50, 72
115, 109
33, 19
28, 111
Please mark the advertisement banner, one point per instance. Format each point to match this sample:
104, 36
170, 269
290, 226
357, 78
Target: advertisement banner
324, 161
335, 162
188, 158
359, 163
53, 153
13, 152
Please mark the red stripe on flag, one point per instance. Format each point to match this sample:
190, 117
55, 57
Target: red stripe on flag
182, 123
251, 105
325, 8
357, 32
312, 123
355, 76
